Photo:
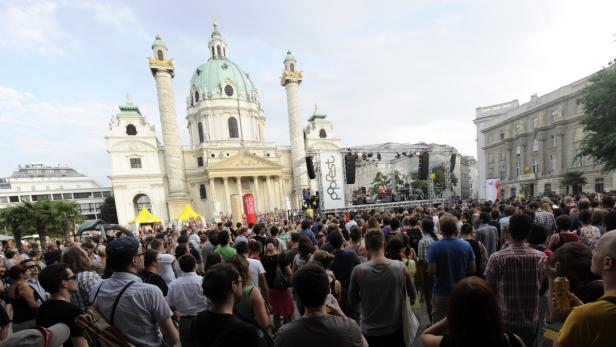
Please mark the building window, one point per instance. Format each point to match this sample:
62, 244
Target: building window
67, 196
213, 53
229, 90
199, 161
547, 188
554, 140
518, 150
535, 145
196, 96
233, 132
535, 167
131, 130
160, 54
599, 188
322, 133
292, 66
501, 135
84, 195
202, 192
200, 131
501, 172
218, 51
517, 169
579, 160
552, 163
135, 163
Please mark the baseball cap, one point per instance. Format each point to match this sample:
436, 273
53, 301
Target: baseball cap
55, 336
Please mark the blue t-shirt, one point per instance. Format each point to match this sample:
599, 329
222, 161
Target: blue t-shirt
310, 235
451, 257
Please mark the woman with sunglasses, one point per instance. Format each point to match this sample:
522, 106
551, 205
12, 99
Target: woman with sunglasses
21, 298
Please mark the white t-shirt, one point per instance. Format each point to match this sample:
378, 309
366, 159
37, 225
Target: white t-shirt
166, 267
255, 268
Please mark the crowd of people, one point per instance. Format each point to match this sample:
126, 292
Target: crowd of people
480, 273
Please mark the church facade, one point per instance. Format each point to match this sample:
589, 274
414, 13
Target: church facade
227, 154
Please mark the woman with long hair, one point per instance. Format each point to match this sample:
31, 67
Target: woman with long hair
279, 296
81, 264
22, 300
473, 319
251, 308
305, 249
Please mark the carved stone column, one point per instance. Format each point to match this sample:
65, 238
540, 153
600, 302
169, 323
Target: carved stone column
257, 195
270, 190
227, 198
238, 182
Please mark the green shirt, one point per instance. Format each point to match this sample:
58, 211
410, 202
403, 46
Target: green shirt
227, 252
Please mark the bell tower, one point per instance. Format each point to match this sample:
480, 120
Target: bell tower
163, 71
291, 78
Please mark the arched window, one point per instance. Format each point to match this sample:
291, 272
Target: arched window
224, 52
200, 130
213, 53
196, 96
322, 133
160, 54
292, 67
218, 51
233, 132
202, 192
140, 201
131, 130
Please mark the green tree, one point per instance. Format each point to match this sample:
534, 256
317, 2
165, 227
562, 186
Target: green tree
108, 211
379, 180
599, 101
418, 183
18, 220
575, 179
46, 218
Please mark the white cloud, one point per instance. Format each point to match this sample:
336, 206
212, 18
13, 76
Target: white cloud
32, 26
39, 131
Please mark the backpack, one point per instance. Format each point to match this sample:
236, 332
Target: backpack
98, 328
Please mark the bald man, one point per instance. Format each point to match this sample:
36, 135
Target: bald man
592, 324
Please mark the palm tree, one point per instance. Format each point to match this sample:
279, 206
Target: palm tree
379, 180
19, 220
575, 179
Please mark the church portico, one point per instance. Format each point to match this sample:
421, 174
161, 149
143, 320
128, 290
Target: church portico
246, 173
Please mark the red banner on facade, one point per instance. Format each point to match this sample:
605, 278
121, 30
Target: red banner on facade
249, 209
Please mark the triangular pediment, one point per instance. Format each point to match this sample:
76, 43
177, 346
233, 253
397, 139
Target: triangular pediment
245, 161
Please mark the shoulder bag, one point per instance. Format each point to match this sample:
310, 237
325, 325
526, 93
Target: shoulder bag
410, 324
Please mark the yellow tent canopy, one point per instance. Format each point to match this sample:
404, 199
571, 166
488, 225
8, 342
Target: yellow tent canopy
188, 213
145, 217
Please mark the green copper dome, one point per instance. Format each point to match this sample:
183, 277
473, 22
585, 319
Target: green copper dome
212, 76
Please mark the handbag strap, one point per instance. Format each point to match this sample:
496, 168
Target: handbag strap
117, 300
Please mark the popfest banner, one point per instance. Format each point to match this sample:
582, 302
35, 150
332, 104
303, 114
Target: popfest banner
493, 187
332, 179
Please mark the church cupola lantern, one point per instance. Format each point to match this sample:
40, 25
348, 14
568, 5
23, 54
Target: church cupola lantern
217, 45
159, 49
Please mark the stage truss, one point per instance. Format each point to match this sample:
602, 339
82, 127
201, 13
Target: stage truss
387, 205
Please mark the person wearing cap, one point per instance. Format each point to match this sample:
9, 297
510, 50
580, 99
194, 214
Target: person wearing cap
142, 315
61, 282
54, 336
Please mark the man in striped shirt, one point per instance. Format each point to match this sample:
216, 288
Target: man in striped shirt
516, 275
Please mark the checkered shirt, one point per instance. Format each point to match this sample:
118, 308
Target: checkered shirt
546, 219
516, 275
87, 281
423, 247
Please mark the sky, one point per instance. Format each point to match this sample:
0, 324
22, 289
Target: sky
387, 71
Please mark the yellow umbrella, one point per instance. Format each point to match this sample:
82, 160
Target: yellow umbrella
188, 213
145, 217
